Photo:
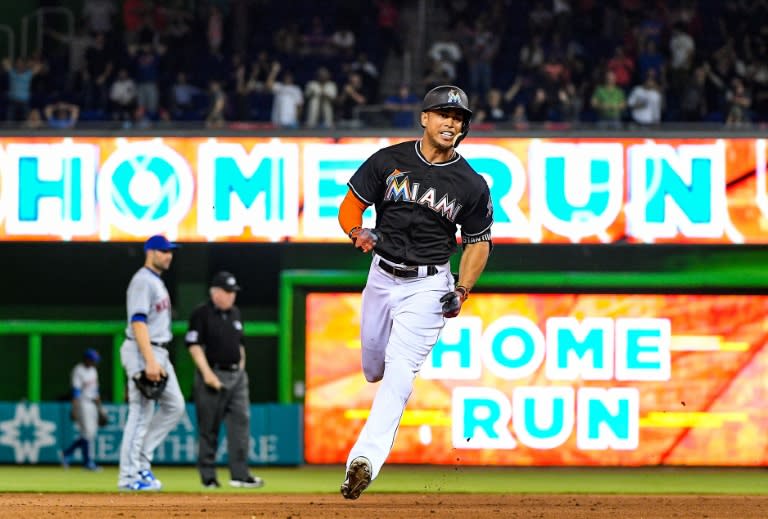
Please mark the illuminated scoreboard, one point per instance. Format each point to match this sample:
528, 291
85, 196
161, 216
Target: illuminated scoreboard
289, 189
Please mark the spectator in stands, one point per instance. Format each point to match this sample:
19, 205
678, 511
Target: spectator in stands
436, 75
650, 59
517, 92
448, 53
519, 118
646, 101
178, 36
133, 15
99, 66
531, 55
739, 101
369, 73
236, 87
288, 99
343, 43
62, 115
493, 110
316, 40
78, 44
288, 39
480, 59
122, 95
403, 107
34, 120
570, 102
98, 15
540, 18
682, 49
539, 106
320, 95
218, 104
19, 79
387, 21
259, 72
693, 100
146, 63
215, 29
622, 66
609, 101
352, 97
182, 97
652, 27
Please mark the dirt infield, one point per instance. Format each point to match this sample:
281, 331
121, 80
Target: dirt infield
373, 506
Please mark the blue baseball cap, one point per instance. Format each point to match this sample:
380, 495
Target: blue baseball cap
92, 355
159, 242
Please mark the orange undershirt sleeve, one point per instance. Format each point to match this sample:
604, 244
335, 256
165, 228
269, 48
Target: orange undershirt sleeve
351, 212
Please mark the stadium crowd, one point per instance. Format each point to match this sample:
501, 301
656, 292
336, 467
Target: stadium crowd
300, 63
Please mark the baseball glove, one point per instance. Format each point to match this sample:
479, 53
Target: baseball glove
149, 388
103, 417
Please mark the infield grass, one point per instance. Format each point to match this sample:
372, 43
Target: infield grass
416, 479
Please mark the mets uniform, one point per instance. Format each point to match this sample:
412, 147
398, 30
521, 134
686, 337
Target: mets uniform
85, 409
147, 426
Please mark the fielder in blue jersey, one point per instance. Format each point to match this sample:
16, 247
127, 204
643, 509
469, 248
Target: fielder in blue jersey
146, 348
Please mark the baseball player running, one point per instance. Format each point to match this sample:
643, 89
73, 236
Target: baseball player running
85, 409
422, 191
145, 348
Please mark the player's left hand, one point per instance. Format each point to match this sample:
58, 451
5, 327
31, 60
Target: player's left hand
452, 302
364, 239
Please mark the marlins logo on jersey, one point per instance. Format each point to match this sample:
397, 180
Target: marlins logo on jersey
401, 189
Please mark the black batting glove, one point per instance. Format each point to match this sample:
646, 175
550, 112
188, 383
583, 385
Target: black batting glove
453, 300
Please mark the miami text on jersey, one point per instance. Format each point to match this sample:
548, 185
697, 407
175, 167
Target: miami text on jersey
399, 188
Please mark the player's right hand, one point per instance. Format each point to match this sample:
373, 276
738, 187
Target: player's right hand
452, 302
364, 239
154, 371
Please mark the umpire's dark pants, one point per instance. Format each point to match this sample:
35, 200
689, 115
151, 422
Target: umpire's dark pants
230, 405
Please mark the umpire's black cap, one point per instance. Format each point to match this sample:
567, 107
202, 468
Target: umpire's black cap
225, 281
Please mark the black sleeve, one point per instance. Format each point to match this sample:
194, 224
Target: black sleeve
367, 183
196, 328
476, 224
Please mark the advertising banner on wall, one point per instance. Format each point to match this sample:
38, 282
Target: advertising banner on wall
33, 433
198, 189
558, 379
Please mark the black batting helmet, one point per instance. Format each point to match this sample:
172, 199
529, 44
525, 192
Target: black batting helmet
449, 96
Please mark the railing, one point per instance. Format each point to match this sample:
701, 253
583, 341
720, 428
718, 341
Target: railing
35, 330
11, 36
39, 16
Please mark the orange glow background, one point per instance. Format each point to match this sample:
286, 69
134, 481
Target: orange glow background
725, 389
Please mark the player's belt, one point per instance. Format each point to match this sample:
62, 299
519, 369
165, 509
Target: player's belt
226, 367
161, 344
405, 272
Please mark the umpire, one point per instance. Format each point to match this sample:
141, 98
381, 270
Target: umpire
215, 341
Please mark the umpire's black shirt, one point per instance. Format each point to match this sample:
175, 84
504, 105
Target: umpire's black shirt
219, 332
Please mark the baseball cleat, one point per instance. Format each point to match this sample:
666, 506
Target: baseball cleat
139, 485
149, 478
358, 478
249, 482
211, 483
65, 460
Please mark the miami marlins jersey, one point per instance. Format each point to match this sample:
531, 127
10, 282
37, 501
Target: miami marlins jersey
419, 205
148, 297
